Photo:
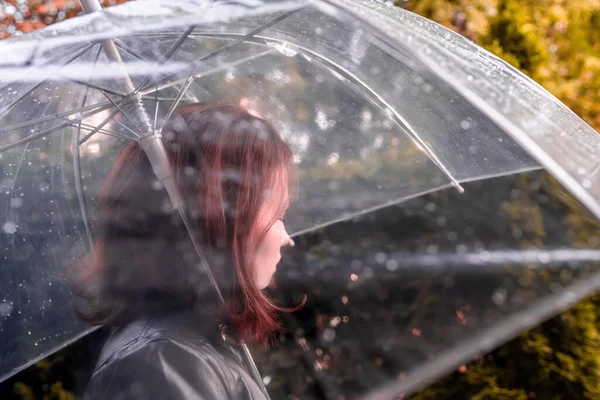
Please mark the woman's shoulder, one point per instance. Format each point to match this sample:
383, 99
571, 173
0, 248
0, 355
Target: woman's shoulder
146, 333
152, 358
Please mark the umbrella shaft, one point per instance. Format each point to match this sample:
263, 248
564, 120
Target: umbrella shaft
136, 107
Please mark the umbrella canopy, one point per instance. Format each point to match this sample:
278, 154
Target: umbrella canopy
379, 106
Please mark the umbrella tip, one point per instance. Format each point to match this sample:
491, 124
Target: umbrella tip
458, 187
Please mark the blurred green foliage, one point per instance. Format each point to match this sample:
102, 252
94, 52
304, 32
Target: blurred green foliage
557, 43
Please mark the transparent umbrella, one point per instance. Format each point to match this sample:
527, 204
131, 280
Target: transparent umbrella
380, 107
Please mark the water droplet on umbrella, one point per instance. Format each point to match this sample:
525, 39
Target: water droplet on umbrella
16, 202
328, 334
499, 297
5, 309
9, 227
391, 265
157, 185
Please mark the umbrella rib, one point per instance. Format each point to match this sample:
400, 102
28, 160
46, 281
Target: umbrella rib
42, 134
166, 99
227, 46
99, 127
101, 107
169, 53
139, 57
211, 71
33, 137
155, 111
7, 109
79, 187
94, 86
94, 129
51, 60
405, 125
182, 91
137, 134
77, 164
132, 53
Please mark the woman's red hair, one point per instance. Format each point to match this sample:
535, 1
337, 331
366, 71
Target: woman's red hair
229, 165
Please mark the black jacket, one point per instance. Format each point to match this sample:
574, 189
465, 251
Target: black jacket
174, 356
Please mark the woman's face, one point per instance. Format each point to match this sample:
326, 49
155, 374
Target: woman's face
266, 254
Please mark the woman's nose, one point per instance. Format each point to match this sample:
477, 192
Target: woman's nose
286, 239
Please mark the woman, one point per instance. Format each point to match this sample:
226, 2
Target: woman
145, 278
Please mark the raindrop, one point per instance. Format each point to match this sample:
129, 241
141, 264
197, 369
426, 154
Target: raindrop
157, 185
432, 249
391, 265
44, 187
9, 227
544, 258
167, 207
16, 202
587, 183
335, 250
465, 124
189, 171
430, 207
380, 257
499, 297
328, 334
5, 309
334, 186
266, 380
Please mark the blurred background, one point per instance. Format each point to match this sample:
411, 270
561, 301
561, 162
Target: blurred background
555, 42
